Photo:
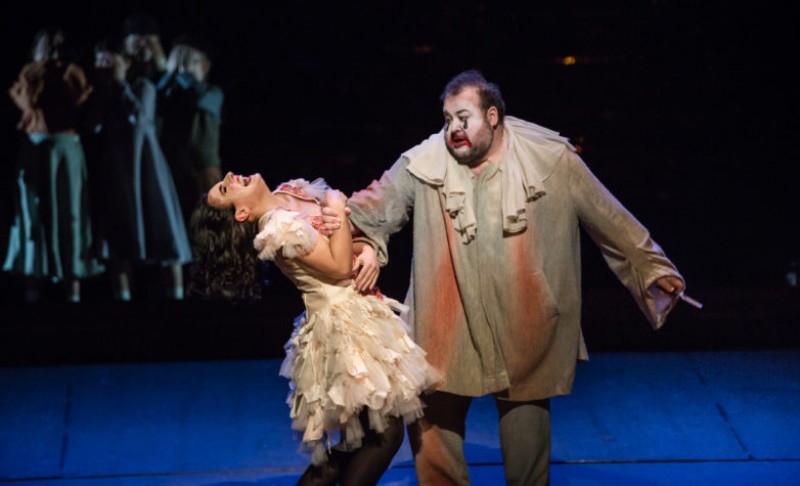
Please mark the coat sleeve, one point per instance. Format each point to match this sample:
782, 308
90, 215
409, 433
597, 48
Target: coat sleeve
382, 209
624, 242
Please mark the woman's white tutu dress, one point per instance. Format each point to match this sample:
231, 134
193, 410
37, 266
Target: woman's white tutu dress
348, 350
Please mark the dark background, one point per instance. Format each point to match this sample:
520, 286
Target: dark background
685, 110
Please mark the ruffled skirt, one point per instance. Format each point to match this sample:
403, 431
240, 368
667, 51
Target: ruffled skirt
346, 357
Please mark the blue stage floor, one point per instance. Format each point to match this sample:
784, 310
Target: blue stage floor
656, 418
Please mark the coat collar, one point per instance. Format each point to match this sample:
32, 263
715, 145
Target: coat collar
528, 162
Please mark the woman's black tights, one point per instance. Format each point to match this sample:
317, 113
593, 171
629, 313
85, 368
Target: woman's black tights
363, 466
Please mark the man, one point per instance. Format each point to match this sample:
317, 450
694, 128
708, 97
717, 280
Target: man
142, 43
495, 284
190, 110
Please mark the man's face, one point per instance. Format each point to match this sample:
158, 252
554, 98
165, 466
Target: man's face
467, 133
198, 65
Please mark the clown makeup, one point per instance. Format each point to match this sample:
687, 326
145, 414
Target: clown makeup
468, 134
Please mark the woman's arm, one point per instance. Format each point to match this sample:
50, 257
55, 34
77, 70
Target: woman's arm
333, 257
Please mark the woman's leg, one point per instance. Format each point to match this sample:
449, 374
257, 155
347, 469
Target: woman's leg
328, 473
368, 463
363, 466
73, 288
121, 272
32, 289
173, 278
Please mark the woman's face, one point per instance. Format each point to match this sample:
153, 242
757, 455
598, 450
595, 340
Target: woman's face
47, 46
237, 191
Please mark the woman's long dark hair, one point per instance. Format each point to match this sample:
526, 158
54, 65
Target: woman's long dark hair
225, 262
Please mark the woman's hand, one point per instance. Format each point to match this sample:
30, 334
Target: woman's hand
18, 95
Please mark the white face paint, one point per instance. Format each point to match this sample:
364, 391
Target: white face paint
468, 134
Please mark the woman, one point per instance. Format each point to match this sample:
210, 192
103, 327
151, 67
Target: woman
142, 221
51, 233
353, 368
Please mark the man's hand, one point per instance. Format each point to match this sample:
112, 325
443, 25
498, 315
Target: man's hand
673, 286
153, 44
335, 200
177, 60
330, 218
365, 267
670, 285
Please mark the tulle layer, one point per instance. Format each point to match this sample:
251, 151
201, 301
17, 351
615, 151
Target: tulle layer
348, 356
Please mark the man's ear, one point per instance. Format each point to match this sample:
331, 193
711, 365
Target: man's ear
492, 116
242, 214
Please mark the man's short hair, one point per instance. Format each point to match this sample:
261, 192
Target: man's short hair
489, 93
140, 24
